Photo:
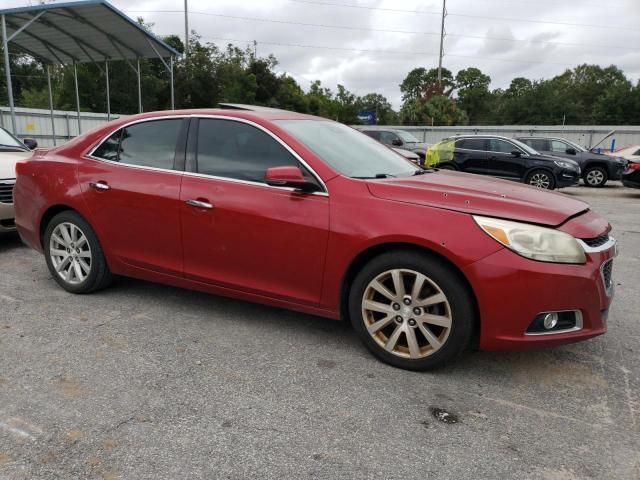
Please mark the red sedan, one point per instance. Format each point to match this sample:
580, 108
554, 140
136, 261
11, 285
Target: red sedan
304, 213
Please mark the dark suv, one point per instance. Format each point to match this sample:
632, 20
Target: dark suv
398, 139
596, 168
504, 158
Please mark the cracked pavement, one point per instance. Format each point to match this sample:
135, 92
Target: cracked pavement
143, 381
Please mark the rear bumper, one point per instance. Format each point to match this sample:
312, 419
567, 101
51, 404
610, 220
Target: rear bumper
7, 217
512, 290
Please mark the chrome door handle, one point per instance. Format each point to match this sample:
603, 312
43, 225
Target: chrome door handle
199, 204
99, 186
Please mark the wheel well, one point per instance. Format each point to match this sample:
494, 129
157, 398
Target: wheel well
48, 215
595, 164
364, 257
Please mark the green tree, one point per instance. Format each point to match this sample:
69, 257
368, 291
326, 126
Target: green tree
473, 94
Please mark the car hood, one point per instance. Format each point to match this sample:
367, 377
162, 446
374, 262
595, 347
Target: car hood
479, 195
8, 162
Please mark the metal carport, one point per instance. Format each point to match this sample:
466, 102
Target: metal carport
90, 31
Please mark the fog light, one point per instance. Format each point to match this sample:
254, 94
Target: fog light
550, 320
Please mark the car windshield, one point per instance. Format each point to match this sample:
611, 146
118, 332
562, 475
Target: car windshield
525, 147
407, 137
348, 151
8, 140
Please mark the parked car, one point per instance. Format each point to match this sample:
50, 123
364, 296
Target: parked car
504, 158
412, 157
398, 139
596, 168
631, 153
631, 175
11, 151
305, 213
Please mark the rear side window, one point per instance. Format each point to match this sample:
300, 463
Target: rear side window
373, 134
537, 144
231, 149
147, 144
471, 143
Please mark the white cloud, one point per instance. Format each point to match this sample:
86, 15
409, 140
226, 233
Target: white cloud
526, 54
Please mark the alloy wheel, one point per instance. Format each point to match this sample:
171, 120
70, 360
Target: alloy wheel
595, 177
540, 180
406, 313
70, 253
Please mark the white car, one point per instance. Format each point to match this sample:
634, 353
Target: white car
12, 150
631, 153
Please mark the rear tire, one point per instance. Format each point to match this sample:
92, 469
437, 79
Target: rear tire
541, 179
74, 255
595, 177
446, 166
408, 326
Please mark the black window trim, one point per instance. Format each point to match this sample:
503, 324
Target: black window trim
181, 138
192, 154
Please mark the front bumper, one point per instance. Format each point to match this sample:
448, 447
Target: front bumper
7, 217
511, 291
566, 178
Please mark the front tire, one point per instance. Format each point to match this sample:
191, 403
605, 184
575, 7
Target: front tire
74, 255
541, 179
595, 177
412, 310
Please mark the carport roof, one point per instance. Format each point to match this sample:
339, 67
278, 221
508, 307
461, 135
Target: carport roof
82, 32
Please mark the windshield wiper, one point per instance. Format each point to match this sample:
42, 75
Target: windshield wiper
377, 175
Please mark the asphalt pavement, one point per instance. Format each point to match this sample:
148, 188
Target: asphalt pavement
143, 381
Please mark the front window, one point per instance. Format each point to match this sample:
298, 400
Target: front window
346, 150
579, 148
9, 141
388, 138
407, 137
524, 147
502, 146
558, 146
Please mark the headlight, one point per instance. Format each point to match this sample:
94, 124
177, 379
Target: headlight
567, 165
537, 243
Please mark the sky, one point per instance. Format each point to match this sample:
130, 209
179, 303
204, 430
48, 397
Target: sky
385, 39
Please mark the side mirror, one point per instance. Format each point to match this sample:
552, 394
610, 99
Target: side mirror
288, 177
516, 153
30, 143
396, 142
570, 151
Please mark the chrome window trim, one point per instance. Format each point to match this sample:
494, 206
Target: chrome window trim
7, 181
195, 174
578, 326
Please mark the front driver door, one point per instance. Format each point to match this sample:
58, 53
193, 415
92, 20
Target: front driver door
132, 186
502, 162
241, 233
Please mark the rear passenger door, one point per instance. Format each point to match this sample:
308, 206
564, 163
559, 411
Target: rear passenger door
470, 155
502, 162
131, 184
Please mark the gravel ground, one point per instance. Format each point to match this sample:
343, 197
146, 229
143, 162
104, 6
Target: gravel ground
143, 381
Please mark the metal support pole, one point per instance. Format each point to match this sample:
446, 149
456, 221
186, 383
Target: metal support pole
7, 71
444, 14
75, 79
53, 121
139, 88
186, 30
173, 102
106, 76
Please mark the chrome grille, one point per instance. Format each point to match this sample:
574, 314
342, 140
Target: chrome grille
606, 270
6, 190
596, 241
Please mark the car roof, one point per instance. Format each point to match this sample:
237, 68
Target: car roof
542, 138
456, 137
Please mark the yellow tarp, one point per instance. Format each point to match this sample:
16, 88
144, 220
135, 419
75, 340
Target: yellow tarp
439, 153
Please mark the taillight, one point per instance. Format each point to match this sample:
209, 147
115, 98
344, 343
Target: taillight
633, 166
20, 166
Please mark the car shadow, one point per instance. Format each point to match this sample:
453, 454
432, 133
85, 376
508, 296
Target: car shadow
10, 241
